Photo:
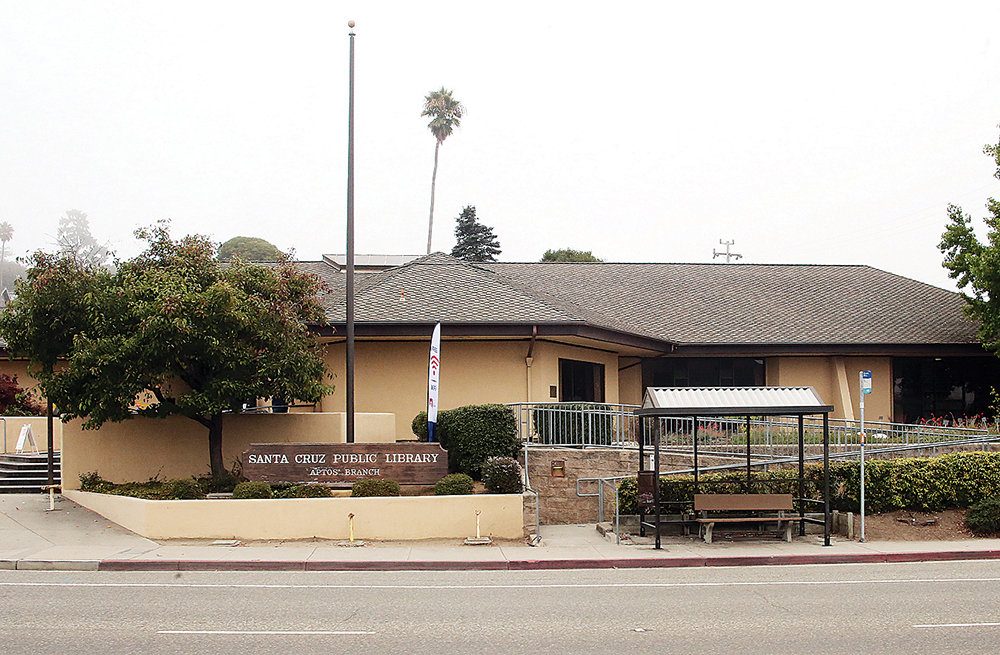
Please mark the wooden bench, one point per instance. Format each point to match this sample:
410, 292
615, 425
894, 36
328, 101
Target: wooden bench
752, 508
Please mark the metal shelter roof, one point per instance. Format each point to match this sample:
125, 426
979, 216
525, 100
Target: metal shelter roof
731, 401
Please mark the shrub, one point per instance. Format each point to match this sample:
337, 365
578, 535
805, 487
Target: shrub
311, 491
920, 484
582, 423
374, 487
184, 489
92, 481
502, 475
254, 489
983, 518
456, 484
473, 433
681, 489
419, 425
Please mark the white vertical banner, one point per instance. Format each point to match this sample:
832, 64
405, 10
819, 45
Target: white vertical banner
433, 381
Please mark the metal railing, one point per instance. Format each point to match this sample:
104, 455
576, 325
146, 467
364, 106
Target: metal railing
777, 436
576, 424
612, 484
614, 424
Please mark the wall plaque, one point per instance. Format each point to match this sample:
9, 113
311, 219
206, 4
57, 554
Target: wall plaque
343, 463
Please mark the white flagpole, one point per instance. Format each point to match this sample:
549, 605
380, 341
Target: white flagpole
433, 382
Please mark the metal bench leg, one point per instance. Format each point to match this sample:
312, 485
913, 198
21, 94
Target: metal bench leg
788, 531
708, 532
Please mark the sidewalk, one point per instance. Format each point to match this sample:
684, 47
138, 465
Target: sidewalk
74, 538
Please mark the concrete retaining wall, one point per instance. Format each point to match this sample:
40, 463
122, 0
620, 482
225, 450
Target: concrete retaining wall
413, 517
176, 447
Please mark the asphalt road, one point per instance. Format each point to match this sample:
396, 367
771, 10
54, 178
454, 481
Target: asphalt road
889, 608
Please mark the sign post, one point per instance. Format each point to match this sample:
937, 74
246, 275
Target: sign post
433, 382
866, 388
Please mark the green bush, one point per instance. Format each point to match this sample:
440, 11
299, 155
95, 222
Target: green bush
455, 484
983, 518
93, 482
255, 489
579, 423
184, 489
502, 475
921, 484
311, 491
472, 433
374, 487
419, 425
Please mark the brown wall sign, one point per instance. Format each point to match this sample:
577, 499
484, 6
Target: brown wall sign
339, 463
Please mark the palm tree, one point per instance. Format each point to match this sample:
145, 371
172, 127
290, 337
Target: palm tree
446, 114
6, 234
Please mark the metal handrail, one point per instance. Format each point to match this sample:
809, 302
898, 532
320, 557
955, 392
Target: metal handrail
600, 498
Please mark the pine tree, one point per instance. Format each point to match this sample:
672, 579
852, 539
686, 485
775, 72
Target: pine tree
475, 241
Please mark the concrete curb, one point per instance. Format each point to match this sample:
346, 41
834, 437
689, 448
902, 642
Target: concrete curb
509, 565
57, 565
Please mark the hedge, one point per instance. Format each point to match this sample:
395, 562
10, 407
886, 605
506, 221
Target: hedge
471, 434
922, 484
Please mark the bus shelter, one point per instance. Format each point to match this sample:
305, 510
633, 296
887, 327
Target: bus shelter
732, 402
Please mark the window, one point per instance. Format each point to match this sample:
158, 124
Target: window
581, 381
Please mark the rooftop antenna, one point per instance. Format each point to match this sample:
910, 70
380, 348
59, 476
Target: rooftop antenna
728, 255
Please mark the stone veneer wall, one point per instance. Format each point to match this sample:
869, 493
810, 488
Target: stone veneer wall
559, 503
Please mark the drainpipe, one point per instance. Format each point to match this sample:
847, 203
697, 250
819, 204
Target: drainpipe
527, 363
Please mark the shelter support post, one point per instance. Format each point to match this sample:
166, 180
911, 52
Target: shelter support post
826, 479
642, 440
749, 488
802, 475
656, 482
694, 440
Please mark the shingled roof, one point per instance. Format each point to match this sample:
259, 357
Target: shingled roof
690, 304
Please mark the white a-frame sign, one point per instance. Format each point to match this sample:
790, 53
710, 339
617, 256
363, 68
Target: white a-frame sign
25, 437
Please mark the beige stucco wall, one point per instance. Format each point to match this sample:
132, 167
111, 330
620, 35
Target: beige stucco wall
410, 517
836, 380
10, 427
391, 376
630, 382
177, 447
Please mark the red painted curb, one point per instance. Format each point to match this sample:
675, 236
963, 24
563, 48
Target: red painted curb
404, 565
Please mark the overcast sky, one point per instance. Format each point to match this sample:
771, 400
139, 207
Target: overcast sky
804, 132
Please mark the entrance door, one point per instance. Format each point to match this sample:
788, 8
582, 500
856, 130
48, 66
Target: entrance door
581, 381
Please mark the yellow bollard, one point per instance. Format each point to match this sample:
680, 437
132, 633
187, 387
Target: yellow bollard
350, 517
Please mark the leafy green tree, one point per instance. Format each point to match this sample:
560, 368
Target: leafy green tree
446, 114
569, 255
74, 239
173, 324
976, 265
250, 249
476, 242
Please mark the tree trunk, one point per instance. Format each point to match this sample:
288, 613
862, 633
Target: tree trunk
215, 446
430, 221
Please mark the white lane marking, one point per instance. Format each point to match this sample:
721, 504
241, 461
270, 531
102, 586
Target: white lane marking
263, 632
610, 585
957, 625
